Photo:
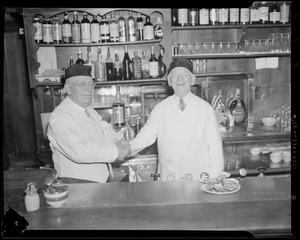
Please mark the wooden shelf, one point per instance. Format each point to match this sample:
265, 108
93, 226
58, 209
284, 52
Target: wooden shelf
231, 55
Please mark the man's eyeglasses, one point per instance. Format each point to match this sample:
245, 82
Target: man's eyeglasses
83, 85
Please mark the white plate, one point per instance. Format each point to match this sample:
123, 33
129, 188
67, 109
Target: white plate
213, 191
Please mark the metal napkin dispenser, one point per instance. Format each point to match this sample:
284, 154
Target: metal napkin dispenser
141, 167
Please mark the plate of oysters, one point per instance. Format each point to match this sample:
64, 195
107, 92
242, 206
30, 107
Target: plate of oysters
220, 185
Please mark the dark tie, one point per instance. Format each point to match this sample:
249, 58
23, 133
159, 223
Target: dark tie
181, 104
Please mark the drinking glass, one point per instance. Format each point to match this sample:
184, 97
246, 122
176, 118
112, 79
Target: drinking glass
183, 48
234, 47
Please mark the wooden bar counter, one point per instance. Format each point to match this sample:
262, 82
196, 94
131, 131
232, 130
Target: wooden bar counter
261, 207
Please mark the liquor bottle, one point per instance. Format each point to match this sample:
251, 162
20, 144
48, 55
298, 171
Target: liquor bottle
57, 30
137, 66
174, 17
153, 64
127, 73
223, 16
162, 69
214, 16
85, 29
234, 16
113, 29
66, 29
203, 16
118, 108
109, 66
254, 13
117, 68
274, 15
95, 30
122, 28
284, 13
145, 66
79, 57
158, 32
140, 26
47, 31
264, 13
76, 31
237, 109
71, 61
221, 110
148, 30
100, 67
38, 36
193, 17
89, 61
131, 24
245, 16
182, 16
104, 30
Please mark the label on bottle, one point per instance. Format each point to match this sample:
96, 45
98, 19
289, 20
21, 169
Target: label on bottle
38, 36
153, 67
85, 32
274, 17
76, 33
118, 115
47, 33
245, 16
264, 14
234, 15
254, 15
66, 30
204, 16
95, 32
131, 30
183, 16
57, 32
148, 33
114, 31
122, 31
223, 15
213, 15
104, 30
239, 113
284, 13
137, 71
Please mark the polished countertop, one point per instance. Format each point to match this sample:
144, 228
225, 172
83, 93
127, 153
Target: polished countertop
261, 206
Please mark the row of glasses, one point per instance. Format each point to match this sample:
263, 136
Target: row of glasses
280, 42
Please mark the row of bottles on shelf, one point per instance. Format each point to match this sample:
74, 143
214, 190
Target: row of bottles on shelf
231, 112
109, 69
131, 29
259, 12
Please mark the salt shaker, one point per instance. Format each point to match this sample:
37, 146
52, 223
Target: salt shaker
32, 198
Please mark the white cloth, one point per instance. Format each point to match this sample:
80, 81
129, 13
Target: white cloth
78, 149
188, 141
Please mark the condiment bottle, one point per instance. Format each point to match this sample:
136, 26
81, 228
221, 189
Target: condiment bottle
32, 198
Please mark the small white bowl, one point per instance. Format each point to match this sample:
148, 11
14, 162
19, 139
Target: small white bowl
255, 151
57, 198
286, 156
269, 121
276, 154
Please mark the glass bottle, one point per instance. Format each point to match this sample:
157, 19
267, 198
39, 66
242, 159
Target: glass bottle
223, 16
221, 109
118, 108
38, 36
174, 17
284, 12
264, 13
214, 16
100, 67
113, 28
131, 24
76, 31
71, 61
57, 30
122, 28
79, 57
234, 16
203, 16
127, 73
85, 29
137, 66
128, 130
274, 15
47, 31
193, 17
66, 29
182, 16
109, 66
117, 68
95, 30
245, 16
162, 69
140, 26
145, 66
148, 30
254, 13
104, 30
153, 64
158, 32
89, 61
237, 109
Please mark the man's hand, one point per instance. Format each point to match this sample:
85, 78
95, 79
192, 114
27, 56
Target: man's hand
124, 149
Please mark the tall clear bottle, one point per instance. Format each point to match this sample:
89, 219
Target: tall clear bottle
95, 30
113, 28
104, 30
47, 31
118, 108
137, 66
57, 30
79, 57
100, 67
76, 31
38, 36
122, 28
89, 61
153, 64
237, 109
148, 30
140, 27
109, 66
127, 72
162, 69
85, 29
145, 65
117, 68
66, 29
131, 24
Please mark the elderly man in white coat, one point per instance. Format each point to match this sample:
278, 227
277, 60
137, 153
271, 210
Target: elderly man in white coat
186, 129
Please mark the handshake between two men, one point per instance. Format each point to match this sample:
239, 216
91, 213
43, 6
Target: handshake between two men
124, 149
